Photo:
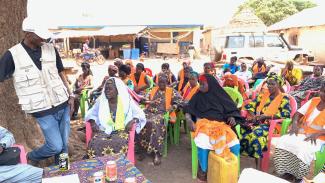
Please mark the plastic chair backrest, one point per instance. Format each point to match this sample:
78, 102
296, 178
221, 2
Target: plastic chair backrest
23, 158
234, 95
130, 153
287, 88
293, 105
148, 72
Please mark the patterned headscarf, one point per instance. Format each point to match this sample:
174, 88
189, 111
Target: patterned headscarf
276, 77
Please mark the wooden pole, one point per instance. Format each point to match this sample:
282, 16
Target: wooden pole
133, 39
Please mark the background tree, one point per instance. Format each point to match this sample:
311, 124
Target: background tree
272, 11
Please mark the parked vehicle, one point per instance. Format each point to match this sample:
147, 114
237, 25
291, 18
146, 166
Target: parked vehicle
271, 46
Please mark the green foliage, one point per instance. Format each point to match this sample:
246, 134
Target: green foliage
272, 11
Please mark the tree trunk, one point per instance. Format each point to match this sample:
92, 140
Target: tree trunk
24, 128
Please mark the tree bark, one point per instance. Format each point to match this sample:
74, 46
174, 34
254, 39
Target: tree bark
25, 129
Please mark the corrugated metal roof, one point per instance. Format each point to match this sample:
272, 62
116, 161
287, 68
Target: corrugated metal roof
106, 31
308, 17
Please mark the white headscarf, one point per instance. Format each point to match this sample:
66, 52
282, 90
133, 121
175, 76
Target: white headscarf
100, 111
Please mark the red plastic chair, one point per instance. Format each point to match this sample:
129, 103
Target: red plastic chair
130, 154
273, 123
148, 72
23, 159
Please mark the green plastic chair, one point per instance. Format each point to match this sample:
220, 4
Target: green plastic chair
151, 83
83, 100
195, 161
169, 133
177, 126
320, 160
235, 96
257, 83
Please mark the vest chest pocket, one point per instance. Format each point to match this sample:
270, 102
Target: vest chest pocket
60, 94
53, 74
34, 79
21, 81
33, 101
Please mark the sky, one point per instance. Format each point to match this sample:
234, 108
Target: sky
134, 12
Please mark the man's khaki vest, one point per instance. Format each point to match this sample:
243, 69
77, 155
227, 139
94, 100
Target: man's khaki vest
37, 90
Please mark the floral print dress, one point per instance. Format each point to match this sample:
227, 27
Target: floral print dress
151, 138
254, 136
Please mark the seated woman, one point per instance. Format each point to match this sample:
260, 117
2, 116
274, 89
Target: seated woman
112, 71
231, 80
212, 107
140, 79
183, 78
124, 72
244, 73
310, 83
295, 152
83, 82
259, 69
111, 119
231, 67
160, 100
272, 104
208, 68
130, 64
165, 70
292, 75
191, 87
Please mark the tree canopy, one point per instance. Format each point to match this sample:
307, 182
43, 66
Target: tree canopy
272, 11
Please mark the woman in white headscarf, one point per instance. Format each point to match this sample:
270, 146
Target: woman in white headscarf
112, 118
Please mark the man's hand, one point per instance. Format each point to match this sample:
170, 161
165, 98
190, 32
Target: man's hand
312, 138
231, 121
1, 150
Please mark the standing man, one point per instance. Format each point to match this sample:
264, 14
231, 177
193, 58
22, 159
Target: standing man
41, 87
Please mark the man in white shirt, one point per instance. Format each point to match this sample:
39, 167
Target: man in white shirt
244, 73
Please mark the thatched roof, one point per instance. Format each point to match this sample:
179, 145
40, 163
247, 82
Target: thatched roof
245, 21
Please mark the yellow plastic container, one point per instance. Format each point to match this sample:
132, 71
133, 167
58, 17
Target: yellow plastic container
222, 170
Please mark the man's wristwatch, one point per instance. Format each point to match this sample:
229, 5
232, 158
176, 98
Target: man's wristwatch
3, 145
